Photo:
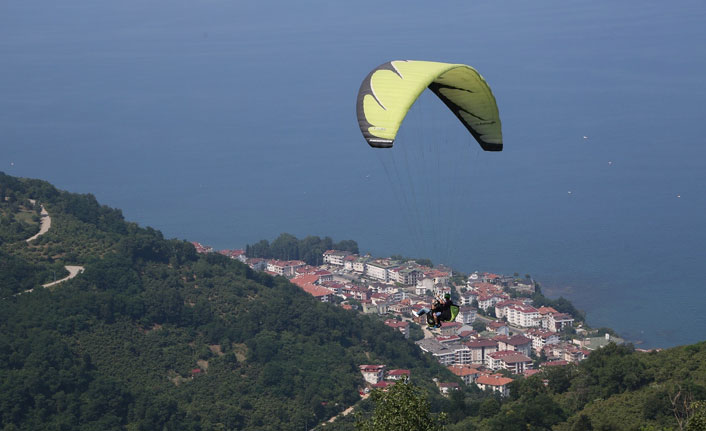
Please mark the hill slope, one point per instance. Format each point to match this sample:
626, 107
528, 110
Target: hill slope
154, 335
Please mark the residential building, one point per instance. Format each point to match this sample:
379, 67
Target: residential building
487, 301
558, 321
372, 373
423, 286
360, 264
286, 268
509, 360
541, 337
257, 264
494, 382
524, 316
405, 275
467, 373
466, 314
468, 297
499, 327
501, 305
348, 262
480, 349
321, 293
378, 270
446, 353
516, 343
400, 325
450, 328
335, 257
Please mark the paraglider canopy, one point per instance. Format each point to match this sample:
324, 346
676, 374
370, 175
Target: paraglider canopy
388, 92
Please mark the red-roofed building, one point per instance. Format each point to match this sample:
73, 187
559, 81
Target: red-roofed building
546, 310
378, 298
541, 337
301, 280
494, 382
531, 372
509, 360
401, 307
401, 326
499, 327
256, 263
557, 321
286, 268
200, 248
467, 335
488, 300
348, 262
467, 373
524, 316
516, 343
234, 254
372, 373
480, 349
306, 269
338, 288
321, 293
500, 306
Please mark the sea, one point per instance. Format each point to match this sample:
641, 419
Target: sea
227, 122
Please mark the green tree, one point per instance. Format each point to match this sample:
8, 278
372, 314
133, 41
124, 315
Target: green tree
583, 423
697, 422
404, 407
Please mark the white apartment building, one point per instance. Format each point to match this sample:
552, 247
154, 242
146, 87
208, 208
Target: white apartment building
378, 271
541, 337
509, 360
373, 373
495, 382
524, 316
466, 314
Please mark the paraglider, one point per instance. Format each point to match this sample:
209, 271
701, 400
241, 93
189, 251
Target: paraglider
428, 170
441, 311
389, 90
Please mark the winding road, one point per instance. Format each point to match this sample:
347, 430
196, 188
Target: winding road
74, 270
45, 223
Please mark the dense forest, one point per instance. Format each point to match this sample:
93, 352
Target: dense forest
288, 247
153, 335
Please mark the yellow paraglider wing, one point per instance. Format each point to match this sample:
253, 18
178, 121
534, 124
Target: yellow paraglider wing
388, 92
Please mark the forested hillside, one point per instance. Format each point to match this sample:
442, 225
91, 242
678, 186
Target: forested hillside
154, 336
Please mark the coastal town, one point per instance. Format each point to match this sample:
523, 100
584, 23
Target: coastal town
498, 334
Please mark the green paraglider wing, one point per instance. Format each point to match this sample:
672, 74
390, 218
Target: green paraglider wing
454, 313
388, 92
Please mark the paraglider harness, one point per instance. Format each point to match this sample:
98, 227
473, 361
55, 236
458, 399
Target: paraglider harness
448, 311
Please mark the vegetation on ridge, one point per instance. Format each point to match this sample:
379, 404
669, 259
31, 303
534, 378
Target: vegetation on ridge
155, 336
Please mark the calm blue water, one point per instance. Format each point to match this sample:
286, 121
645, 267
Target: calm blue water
228, 122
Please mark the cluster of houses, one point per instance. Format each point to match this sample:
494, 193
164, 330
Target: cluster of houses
399, 289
